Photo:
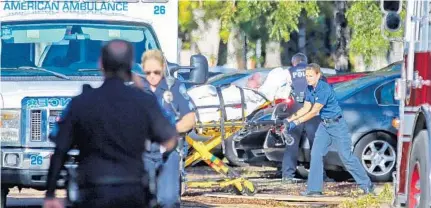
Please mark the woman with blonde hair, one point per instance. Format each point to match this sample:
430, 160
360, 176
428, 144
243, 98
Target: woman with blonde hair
176, 102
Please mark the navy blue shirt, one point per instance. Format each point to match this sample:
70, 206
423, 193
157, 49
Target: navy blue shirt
181, 103
298, 78
109, 125
325, 95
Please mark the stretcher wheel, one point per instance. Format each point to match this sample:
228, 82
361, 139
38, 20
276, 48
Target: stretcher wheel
249, 188
183, 185
238, 189
183, 188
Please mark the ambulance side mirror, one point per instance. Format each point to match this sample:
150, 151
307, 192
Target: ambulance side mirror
199, 69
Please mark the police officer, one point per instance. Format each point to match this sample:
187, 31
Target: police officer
109, 126
176, 102
290, 158
320, 100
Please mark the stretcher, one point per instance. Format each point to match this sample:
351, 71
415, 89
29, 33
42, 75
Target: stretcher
218, 131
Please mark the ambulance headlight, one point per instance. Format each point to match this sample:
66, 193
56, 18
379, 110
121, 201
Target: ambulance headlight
10, 125
11, 160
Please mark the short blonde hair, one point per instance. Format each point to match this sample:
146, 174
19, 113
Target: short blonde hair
315, 67
153, 54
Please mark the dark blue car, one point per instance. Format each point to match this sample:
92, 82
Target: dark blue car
369, 106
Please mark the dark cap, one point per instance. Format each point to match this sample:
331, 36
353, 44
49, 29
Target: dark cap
117, 55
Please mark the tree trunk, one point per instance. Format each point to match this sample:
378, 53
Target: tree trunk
222, 53
263, 55
302, 39
288, 49
239, 51
341, 58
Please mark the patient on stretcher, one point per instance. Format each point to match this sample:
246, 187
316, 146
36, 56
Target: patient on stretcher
277, 85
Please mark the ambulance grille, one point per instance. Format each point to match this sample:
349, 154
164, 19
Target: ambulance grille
36, 125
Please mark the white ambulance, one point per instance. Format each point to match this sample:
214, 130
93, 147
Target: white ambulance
49, 49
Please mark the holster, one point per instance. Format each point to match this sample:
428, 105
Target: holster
300, 98
72, 186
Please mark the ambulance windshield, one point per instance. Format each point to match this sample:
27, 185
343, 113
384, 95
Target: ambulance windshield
68, 47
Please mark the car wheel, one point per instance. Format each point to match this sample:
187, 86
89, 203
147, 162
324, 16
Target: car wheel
231, 153
418, 188
377, 153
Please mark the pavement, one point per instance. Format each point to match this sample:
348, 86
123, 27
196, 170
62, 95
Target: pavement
271, 193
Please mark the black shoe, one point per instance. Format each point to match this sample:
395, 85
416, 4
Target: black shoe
312, 193
369, 190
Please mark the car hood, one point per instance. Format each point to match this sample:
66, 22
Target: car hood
13, 92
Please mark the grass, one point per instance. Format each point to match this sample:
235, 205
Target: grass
384, 197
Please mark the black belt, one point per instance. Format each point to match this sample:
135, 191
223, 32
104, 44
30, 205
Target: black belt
114, 180
332, 120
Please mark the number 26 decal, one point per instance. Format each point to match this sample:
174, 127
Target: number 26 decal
36, 160
159, 10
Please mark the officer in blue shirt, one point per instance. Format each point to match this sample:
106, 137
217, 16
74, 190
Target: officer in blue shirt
299, 85
177, 104
320, 99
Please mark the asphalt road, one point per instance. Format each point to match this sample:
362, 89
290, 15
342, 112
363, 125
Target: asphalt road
266, 186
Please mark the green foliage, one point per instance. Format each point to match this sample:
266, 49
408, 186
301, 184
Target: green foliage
365, 19
271, 20
185, 17
186, 21
368, 201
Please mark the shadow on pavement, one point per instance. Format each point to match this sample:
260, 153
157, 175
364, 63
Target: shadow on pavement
37, 203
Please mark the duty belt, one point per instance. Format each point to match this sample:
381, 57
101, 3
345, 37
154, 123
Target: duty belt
114, 180
300, 97
332, 120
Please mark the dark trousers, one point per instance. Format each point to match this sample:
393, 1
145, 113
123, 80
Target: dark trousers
115, 196
290, 158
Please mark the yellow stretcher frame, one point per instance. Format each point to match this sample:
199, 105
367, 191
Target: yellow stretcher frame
201, 151
218, 132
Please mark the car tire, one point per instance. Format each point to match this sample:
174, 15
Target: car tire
231, 153
369, 156
419, 172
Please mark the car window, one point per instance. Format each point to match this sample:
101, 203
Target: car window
242, 82
363, 97
67, 46
217, 81
346, 89
392, 67
385, 94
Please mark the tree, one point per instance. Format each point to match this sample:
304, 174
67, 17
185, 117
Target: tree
264, 20
365, 18
186, 21
342, 32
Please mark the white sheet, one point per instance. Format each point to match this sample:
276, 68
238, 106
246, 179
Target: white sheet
276, 86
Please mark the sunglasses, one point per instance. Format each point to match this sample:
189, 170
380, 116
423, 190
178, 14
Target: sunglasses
153, 72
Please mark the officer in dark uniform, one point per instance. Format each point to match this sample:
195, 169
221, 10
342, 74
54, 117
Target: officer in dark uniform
320, 100
109, 126
290, 158
173, 97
